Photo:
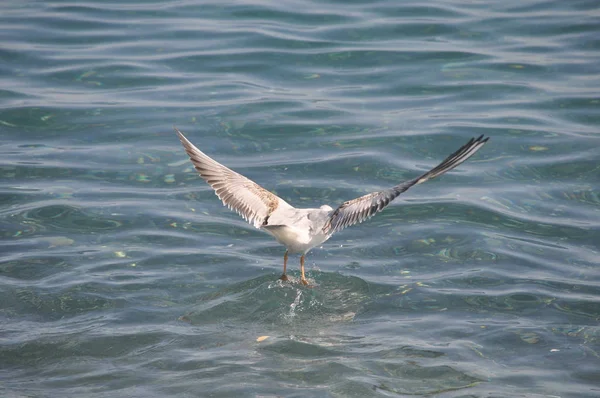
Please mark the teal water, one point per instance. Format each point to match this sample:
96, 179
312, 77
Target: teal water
122, 275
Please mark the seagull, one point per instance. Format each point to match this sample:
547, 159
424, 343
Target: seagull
299, 230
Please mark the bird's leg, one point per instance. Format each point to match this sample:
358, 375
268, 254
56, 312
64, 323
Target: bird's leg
284, 276
304, 281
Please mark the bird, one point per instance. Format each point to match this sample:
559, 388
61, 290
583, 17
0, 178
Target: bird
299, 230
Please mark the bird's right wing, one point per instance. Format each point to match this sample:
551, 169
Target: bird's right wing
247, 198
360, 209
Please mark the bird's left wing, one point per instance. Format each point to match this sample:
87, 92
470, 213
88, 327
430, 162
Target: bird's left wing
251, 201
360, 209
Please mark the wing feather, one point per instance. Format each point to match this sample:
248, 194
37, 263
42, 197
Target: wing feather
247, 198
360, 209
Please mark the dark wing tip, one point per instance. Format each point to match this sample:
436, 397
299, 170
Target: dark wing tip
482, 139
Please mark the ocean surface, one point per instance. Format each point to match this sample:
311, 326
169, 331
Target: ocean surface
123, 275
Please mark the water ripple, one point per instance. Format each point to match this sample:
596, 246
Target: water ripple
121, 274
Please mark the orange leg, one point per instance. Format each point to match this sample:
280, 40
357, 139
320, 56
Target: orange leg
304, 281
283, 276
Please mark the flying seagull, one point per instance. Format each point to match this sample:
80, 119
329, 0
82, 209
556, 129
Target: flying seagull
299, 230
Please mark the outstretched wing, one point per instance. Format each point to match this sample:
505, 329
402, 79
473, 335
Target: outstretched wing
247, 198
360, 209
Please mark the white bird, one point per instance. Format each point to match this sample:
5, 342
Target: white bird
299, 230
